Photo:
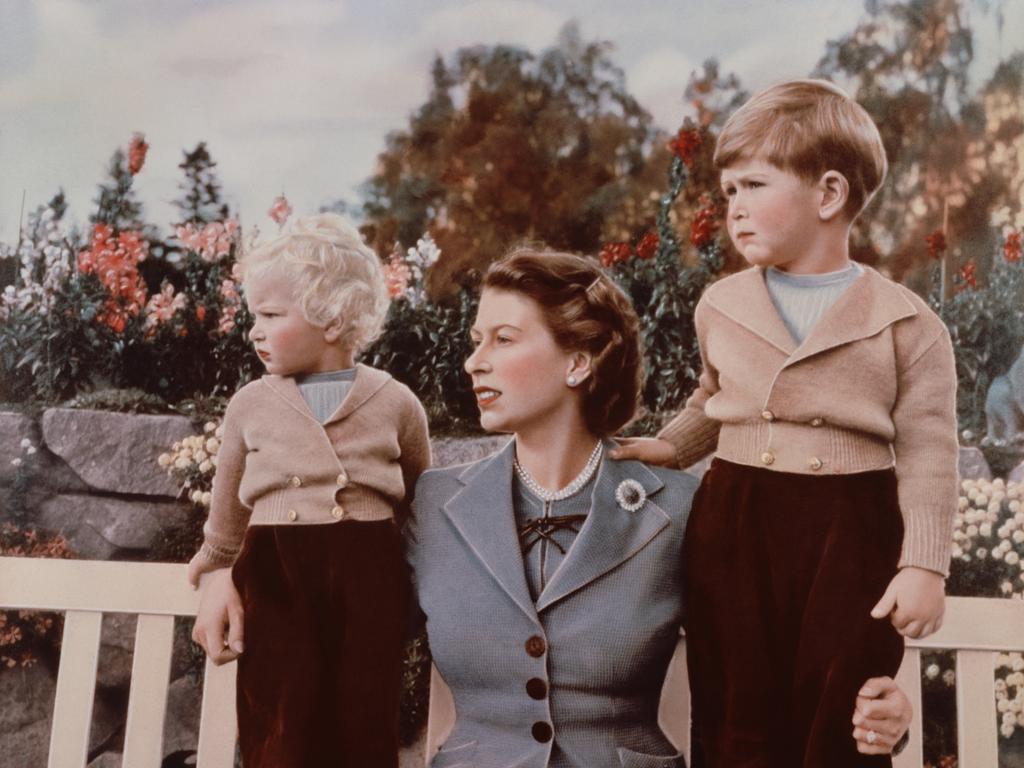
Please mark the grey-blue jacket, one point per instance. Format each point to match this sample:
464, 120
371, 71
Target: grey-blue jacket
575, 678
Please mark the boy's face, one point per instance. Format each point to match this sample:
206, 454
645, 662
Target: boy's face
286, 342
773, 215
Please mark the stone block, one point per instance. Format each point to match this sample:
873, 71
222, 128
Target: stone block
98, 528
117, 645
115, 452
181, 724
972, 465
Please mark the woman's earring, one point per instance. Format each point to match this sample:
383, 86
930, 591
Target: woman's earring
571, 381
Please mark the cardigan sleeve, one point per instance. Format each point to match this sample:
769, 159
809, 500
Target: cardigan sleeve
225, 527
693, 433
414, 444
926, 453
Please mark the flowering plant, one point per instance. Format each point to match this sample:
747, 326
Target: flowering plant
192, 462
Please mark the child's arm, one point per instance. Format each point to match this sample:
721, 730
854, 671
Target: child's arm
414, 444
926, 453
691, 435
225, 527
218, 628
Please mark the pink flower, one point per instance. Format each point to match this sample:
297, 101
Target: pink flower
280, 210
397, 276
161, 308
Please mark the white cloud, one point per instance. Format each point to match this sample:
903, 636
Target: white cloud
658, 80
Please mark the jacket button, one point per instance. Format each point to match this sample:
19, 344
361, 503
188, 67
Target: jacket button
814, 463
767, 457
536, 688
342, 479
767, 415
817, 421
296, 481
338, 512
542, 732
293, 515
535, 646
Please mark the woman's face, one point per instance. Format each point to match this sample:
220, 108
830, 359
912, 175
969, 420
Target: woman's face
519, 371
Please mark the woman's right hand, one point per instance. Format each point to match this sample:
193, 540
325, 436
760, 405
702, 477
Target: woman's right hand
218, 628
651, 450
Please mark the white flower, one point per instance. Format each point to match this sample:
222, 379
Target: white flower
630, 495
985, 529
1006, 729
206, 466
164, 459
16, 462
209, 426
26, 443
949, 677
212, 445
932, 671
30, 450
981, 553
1012, 558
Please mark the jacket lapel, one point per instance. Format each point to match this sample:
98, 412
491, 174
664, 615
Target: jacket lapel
869, 305
286, 388
482, 513
865, 308
367, 382
611, 533
744, 299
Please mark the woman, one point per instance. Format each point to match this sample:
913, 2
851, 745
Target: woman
553, 614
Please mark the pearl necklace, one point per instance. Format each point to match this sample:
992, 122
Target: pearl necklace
581, 479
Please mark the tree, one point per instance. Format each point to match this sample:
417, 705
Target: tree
200, 201
511, 146
908, 63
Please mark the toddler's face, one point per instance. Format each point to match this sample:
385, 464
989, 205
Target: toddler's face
286, 342
773, 215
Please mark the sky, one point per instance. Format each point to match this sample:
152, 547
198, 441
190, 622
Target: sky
297, 97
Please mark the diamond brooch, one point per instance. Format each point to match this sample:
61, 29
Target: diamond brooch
630, 495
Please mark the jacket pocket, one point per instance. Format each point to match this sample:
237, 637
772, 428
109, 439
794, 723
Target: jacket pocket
631, 759
455, 757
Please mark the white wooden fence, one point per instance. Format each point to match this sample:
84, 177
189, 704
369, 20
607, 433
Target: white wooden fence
978, 629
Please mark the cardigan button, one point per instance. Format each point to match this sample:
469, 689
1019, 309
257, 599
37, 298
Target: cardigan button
814, 463
342, 479
542, 732
817, 421
293, 515
338, 512
767, 457
767, 415
295, 481
536, 688
535, 646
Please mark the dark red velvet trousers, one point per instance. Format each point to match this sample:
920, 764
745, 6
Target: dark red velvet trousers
782, 571
318, 684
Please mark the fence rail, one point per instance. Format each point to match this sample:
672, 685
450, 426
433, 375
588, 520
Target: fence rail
977, 629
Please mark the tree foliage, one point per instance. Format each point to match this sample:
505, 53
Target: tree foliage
512, 146
200, 201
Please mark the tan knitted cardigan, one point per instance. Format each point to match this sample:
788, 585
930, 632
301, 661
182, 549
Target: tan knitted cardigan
277, 465
872, 386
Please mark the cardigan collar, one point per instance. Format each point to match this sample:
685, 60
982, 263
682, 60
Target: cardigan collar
869, 305
366, 384
482, 513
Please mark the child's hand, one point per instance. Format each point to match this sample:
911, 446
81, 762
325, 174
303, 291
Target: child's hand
648, 449
916, 599
220, 610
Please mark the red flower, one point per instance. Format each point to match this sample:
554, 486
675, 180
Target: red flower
115, 262
137, 149
613, 253
1012, 247
647, 246
685, 144
200, 313
936, 244
706, 224
968, 273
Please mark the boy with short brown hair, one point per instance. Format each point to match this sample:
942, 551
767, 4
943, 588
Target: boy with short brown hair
828, 396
